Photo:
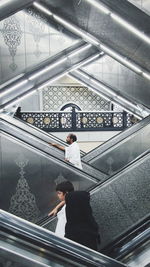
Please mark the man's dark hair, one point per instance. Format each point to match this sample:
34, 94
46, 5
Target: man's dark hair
65, 187
73, 137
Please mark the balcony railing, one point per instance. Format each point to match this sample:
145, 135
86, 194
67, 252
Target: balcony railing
79, 121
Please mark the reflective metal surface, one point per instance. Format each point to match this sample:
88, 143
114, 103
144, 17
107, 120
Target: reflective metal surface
8, 7
123, 201
120, 79
125, 152
40, 134
38, 78
46, 247
27, 39
28, 178
144, 5
104, 30
33, 140
109, 93
140, 257
122, 149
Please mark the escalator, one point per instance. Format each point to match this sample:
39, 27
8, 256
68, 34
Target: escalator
29, 245
121, 203
40, 139
122, 149
133, 248
29, 175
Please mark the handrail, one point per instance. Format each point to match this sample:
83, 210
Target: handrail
135, 242
116, 139
47, 219
97, 174
60, 121
42, 152
126, 243
100, 184
33, 233
16, 121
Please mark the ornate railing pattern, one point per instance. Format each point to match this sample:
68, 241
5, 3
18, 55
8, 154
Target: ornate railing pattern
79, 121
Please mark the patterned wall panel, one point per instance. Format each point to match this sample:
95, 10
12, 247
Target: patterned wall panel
55, 97
27, 39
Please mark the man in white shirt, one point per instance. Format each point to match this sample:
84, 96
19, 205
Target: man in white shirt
72, 152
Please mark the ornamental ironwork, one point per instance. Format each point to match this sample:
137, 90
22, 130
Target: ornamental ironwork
79, 121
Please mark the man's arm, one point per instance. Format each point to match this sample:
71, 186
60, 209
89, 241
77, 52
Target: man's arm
55, 210
57, 145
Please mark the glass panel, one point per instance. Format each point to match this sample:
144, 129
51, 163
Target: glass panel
123, 201
36, 138
29, 177
123, 153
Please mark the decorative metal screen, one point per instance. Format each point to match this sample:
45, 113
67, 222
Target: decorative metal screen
79, 121
96, 120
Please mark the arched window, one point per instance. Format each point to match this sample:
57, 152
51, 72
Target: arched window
70, 107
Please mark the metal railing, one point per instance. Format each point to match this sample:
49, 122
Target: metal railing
79, 121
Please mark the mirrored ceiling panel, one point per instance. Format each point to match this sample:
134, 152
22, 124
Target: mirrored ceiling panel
27, 39
120, 79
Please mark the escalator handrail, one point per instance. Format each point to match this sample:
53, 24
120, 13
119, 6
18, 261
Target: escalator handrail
137, 234
48, 219
16, 121
118, 138
125, 168
29, 231
45, 153
7, 124
134, 243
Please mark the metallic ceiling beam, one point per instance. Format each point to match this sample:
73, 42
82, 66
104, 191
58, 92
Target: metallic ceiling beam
109, 93
88, 37
71, 59
124, 16
9, 7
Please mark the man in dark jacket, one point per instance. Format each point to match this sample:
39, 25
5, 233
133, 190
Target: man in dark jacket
81, 226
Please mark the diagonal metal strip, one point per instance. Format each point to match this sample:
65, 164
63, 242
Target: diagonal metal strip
121, 53
8, 8
47, 72
105, 27
108, 93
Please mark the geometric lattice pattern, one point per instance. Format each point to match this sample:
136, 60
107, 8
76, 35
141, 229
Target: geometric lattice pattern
77, 121
54, 97
50, 120
130, 120
99, 120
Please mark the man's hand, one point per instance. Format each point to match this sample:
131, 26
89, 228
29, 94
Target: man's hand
53, 212
51, 144
57, 146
